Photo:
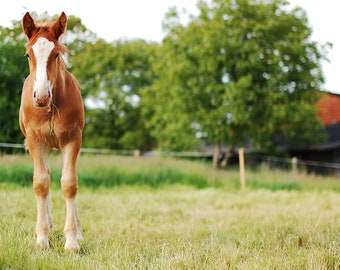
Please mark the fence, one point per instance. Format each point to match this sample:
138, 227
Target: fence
251, 160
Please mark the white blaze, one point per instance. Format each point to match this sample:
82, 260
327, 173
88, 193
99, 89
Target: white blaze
42, 49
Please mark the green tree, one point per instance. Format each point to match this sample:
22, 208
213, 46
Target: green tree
112, 76
13, 70
240, 70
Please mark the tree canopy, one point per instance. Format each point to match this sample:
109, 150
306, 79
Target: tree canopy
112, 76
241, 71
13, 69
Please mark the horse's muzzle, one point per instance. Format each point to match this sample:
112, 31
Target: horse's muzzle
42, 100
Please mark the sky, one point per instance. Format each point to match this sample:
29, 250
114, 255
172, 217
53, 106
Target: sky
112, 20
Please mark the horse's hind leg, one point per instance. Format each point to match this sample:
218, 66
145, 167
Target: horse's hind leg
41, 185
69, 184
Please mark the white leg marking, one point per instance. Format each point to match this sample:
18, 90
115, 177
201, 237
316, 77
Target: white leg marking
69, 183
71, 229
43, 222
49, 212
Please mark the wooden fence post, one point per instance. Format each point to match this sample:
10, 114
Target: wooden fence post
242, 168
136, 153
294, 165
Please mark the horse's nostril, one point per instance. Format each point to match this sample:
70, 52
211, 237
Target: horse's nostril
42, 100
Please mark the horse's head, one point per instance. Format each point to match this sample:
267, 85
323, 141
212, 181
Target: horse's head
44, 52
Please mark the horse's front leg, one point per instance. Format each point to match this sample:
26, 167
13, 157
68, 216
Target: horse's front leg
41, 185
69, 184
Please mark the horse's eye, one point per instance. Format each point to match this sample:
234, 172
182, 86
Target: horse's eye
27, 56
57, 55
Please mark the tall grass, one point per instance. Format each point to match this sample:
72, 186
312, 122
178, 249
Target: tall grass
155, 172
175, 224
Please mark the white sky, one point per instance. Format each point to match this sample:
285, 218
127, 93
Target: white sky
115, 19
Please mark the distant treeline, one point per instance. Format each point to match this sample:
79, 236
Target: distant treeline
238, 72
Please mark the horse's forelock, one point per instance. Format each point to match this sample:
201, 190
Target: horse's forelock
47, 32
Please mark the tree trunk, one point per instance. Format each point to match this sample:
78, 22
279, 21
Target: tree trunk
228, 155
216, 156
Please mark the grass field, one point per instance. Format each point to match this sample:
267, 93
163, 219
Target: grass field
161, 213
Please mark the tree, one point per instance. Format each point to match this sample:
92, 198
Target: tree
13, 70
112, 76
240, 70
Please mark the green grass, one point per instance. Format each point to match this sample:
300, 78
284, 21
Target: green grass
281, 220
96, 172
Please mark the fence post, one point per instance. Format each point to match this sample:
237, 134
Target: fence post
294, 165
242, 168
136, 153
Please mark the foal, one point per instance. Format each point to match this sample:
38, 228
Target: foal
51, 116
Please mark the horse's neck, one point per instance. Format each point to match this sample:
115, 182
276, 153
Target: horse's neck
60, 89
66, 88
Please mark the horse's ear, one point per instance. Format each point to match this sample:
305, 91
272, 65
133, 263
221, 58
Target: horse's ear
59, 26
28, 25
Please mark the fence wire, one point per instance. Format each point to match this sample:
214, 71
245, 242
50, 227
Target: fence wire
250, 159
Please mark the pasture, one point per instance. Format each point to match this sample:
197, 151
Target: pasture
163, 213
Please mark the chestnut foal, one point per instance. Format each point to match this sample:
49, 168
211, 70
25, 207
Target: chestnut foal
51, 116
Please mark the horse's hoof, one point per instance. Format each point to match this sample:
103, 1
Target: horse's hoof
80, 236
71, 245
42, 242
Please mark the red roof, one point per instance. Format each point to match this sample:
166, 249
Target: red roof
329, 105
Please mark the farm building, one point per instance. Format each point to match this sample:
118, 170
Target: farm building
321, 158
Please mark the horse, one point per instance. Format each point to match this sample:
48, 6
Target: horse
51, 116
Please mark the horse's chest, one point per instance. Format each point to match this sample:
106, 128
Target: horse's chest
46, 126
45, 132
